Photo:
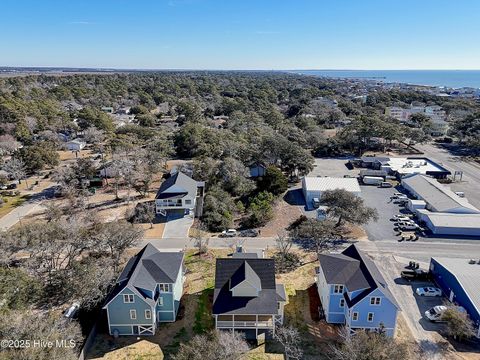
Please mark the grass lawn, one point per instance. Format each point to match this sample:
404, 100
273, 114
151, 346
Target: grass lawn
11, 202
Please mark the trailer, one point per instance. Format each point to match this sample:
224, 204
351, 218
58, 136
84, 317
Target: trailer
372, 180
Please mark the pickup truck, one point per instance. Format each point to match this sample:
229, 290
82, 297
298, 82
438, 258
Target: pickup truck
417, 274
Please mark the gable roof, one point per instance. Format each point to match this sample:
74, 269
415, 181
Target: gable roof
232, 270
356, 271
147, 269
177, 185
440, 197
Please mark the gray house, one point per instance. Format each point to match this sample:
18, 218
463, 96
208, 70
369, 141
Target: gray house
247, 297
147, 292
180, 192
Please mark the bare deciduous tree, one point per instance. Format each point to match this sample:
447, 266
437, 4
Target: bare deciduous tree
290, 339
371, 345
216, 345
15, 168
46, 327
116, 237
200, 239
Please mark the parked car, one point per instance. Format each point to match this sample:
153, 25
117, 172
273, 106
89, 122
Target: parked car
409, 227
401, 218
248, 233
428, 291
3, 187
435, 314
417, 274
229, 233
11, 186
72, 311
386, 184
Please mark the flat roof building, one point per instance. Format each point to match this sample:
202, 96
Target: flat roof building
313, 187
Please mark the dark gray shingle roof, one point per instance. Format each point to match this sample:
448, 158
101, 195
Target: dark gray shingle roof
146, 269
228, 269
356, 271
177, 186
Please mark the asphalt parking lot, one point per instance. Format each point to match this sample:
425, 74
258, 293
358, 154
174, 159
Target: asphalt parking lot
379, 198
413, 307
335, 167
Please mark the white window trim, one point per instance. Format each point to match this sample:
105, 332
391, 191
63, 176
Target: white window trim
368, 316
149, 312
127, 297
374, 298
340, 287
355, 316
134, 313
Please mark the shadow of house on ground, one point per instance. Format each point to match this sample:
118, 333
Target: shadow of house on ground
294, 197
302, 313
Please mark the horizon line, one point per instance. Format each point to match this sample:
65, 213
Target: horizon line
216, 69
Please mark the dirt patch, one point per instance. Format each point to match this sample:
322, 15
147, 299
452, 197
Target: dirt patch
284, 215
66, 155
124, 348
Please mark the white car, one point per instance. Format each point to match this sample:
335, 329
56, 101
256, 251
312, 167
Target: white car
229, 233
428, 291
436, 312
401, 218
72, 311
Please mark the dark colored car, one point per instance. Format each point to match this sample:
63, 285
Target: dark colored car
248, 233
417, 274
11, 186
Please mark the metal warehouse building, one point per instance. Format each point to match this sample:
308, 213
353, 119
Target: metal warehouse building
442, 210
459, 280
313, 187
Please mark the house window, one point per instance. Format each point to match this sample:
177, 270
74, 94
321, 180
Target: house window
133, 314
338, 289
370, 317
375, 300
165, 288
148, 314
355, 316
342, 302
188, 202
128, 298
160, 301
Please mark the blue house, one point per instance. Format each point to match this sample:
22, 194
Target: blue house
459, 280
147, 292
354, 293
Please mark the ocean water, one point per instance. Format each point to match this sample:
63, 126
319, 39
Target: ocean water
448, 78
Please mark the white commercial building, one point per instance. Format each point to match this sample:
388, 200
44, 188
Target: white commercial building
313, 187
442, 210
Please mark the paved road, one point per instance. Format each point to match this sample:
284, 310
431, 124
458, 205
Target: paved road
470, 183
32, 205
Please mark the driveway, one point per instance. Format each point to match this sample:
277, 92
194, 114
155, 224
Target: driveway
412, 306
177, 225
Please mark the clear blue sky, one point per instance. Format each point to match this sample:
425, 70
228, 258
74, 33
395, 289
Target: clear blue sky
241, 34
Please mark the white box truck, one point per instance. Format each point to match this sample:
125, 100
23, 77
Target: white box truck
372, 180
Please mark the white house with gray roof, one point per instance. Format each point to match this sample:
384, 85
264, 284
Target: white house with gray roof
180, 192
147, 292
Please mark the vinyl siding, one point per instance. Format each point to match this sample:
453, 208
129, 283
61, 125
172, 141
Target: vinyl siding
385, 313
119, 312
